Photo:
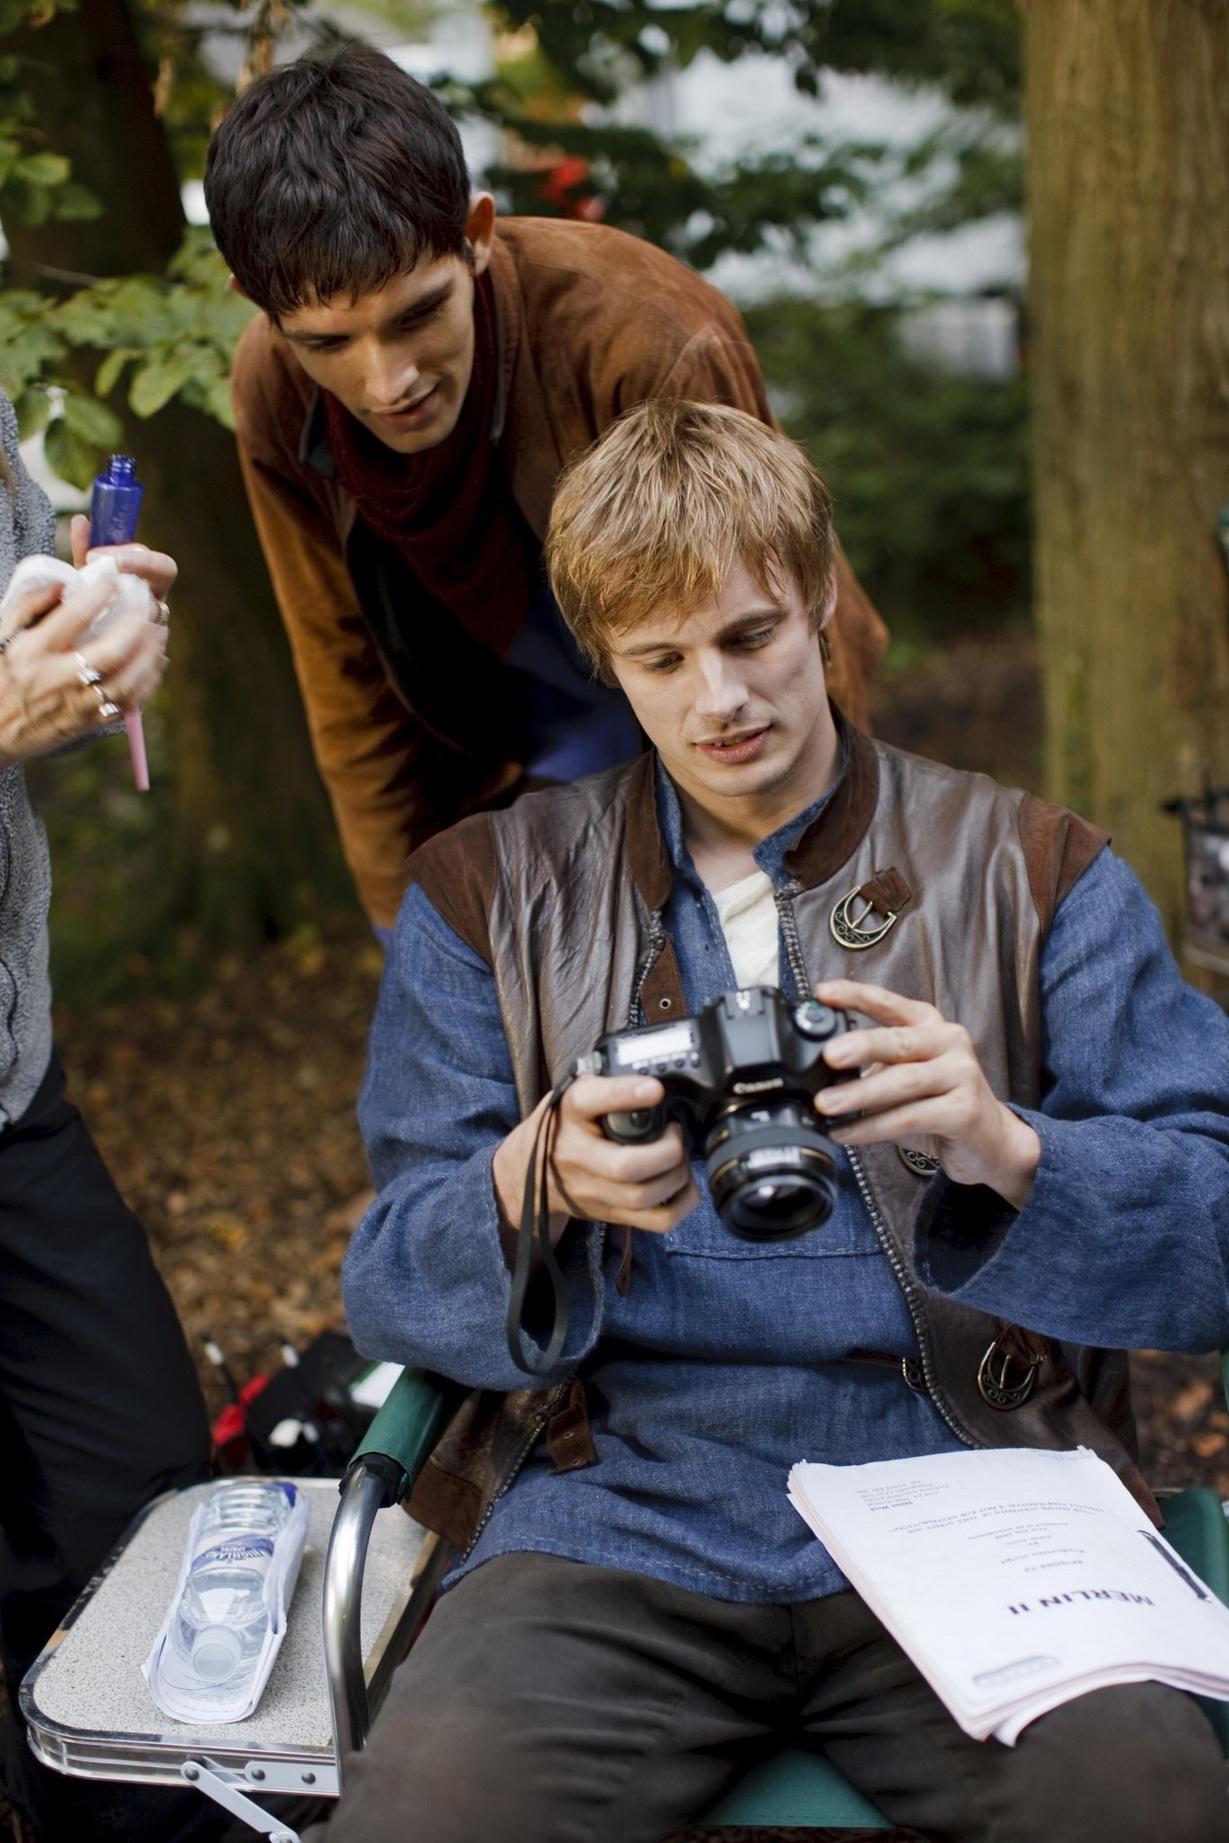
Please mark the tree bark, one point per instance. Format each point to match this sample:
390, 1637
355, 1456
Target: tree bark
253, 840
1128, 125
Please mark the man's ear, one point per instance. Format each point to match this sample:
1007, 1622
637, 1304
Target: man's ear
480, 231
824, 622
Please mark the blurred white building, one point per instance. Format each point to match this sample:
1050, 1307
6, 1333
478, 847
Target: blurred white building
972, 275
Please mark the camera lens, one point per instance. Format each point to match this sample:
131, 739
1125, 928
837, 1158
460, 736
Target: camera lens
771, 1172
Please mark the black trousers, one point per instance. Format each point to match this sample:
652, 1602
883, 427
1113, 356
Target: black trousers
548, 1702
99, 1411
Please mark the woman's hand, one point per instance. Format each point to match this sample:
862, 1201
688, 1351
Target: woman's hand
56, 683
923, 1080
154, 567
646, 1186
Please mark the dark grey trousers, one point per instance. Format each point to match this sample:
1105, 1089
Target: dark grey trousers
550, 1702
99, 1411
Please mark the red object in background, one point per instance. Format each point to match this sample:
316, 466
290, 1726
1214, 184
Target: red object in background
230, 1437
561, 187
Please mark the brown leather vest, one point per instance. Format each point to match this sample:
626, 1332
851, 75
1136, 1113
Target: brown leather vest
562, 896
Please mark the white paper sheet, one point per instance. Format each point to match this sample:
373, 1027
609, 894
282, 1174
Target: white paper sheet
1016, 1579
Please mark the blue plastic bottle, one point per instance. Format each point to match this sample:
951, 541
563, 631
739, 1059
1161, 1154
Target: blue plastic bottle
115, 507
116, 503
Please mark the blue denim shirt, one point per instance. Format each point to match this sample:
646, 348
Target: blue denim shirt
726, 1361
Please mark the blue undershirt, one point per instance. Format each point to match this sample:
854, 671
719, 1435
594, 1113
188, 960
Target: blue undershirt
575, 724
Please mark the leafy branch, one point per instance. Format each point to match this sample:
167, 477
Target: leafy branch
172, 335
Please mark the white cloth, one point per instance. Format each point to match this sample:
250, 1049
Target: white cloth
749, 923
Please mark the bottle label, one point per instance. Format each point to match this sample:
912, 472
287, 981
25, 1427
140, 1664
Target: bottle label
248, 1548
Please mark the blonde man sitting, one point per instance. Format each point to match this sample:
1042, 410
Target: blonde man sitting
1030, 1168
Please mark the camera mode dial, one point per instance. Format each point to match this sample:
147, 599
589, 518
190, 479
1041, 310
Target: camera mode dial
815, 1021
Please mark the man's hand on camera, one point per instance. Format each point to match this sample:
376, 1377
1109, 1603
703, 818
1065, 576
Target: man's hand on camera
920, 1078
592, 1178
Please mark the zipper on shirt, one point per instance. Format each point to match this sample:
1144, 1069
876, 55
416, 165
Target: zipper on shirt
798, 968
908, 1289
656, 941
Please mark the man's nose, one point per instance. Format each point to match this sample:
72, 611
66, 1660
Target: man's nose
720, 693
389, 377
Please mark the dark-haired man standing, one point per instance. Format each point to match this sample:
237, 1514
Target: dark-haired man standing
419, 376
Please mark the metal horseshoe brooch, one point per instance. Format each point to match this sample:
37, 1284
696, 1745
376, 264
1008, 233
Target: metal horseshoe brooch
882, 897
1005, 1376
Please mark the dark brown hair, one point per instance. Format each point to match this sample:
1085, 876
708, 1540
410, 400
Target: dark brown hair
333, 175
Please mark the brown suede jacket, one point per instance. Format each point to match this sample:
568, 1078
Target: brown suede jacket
591, 321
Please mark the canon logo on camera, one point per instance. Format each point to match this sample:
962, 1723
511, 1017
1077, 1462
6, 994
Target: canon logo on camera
757, 1087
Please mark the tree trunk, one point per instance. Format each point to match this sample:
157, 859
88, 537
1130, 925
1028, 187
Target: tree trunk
253, 843
1128, 124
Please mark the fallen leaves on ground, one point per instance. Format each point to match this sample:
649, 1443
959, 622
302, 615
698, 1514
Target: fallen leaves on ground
227, 1120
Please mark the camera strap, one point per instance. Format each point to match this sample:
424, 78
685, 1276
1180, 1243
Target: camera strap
534, 1231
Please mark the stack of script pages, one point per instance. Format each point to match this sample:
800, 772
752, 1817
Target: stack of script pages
1016, 1579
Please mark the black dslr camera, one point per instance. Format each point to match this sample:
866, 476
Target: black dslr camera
739, 1080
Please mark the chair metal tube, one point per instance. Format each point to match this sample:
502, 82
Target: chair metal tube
361, 1499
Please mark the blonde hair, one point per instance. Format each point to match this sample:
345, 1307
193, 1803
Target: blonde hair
657, 511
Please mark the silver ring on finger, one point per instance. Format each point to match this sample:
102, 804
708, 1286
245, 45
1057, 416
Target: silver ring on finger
162, 617
85, 671
106, 709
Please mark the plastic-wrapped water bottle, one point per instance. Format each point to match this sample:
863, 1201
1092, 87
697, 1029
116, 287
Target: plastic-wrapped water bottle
254, 1504
223, 1630
222, 1619
223, 1613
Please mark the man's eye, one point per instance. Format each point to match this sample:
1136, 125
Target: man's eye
666, 663
419, 317
759, 636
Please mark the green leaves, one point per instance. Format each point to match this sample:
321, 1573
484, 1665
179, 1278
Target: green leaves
176, 333
92, 421
33, 408
160, 379
43, 169
35, 182
77, 438
173, 337
108, 373
929, 468
29, 343
76, 203
73, 458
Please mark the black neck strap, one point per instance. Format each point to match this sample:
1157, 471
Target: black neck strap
535, 1230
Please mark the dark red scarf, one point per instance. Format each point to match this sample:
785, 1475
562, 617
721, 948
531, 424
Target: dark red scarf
450, 510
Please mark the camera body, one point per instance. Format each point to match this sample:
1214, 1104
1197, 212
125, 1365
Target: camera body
739, 1079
